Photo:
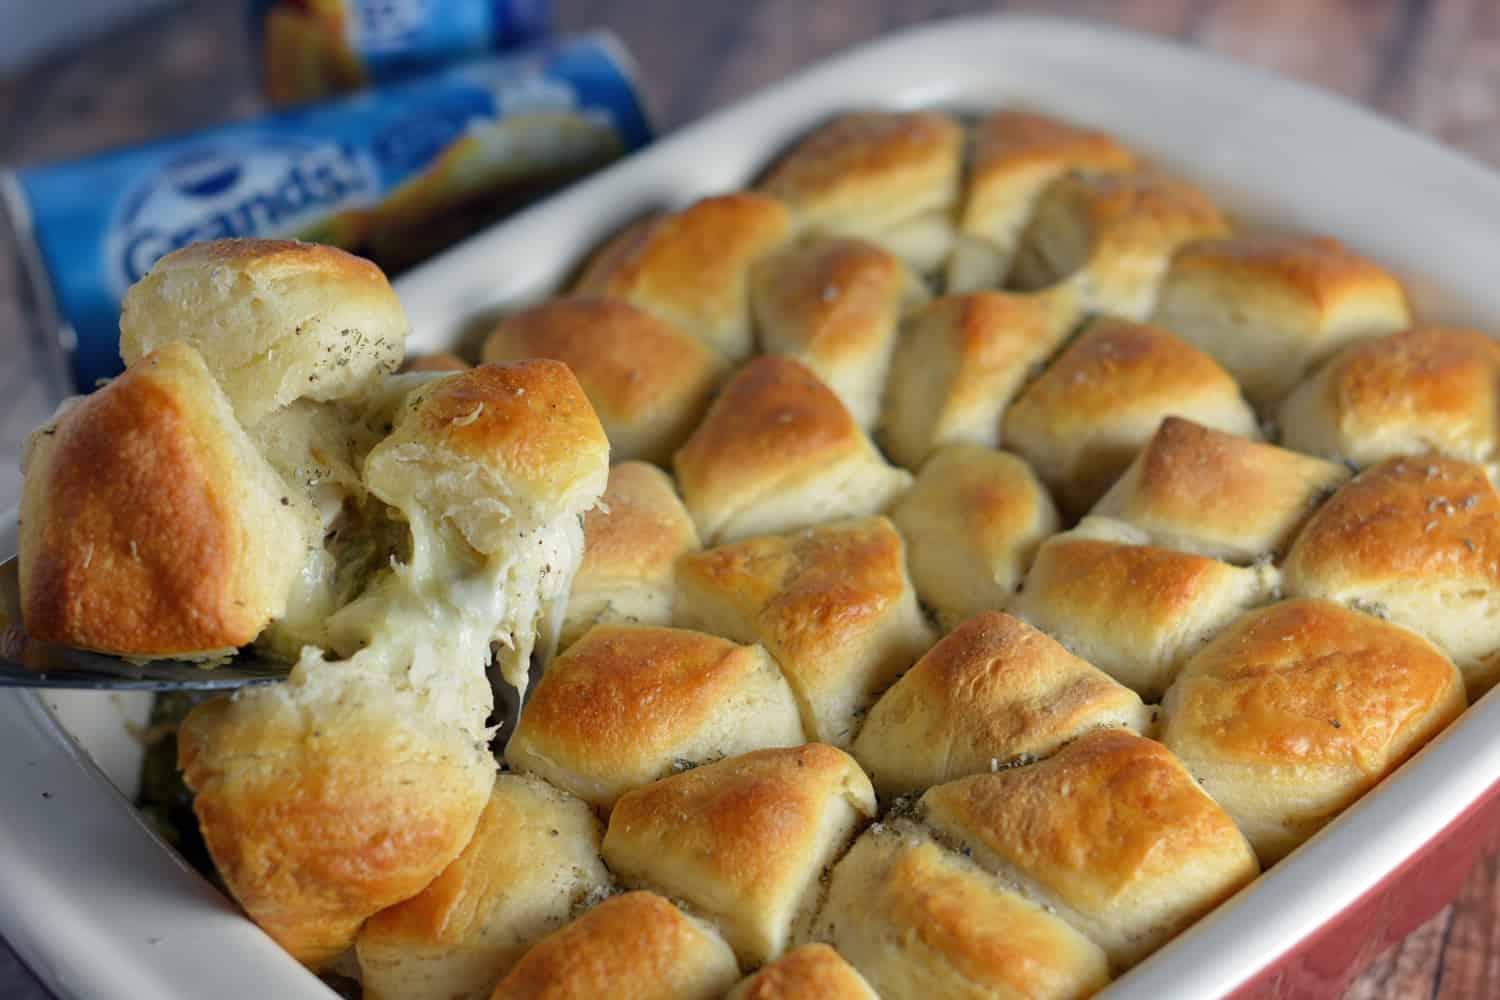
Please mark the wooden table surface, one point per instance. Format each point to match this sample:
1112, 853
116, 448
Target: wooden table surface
1434, 64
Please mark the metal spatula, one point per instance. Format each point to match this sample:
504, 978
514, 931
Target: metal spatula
25, 662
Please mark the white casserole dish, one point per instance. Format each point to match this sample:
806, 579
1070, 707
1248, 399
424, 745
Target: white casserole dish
98, 907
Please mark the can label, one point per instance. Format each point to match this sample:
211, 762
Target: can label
233, 189
395, 174
314, 48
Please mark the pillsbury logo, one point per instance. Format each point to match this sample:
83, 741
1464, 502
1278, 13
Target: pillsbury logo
386, 25
271, 187
203, 174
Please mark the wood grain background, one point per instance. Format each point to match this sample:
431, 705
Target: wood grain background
1434, 64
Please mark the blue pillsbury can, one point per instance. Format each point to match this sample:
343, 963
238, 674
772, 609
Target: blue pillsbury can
312, 49
396, 174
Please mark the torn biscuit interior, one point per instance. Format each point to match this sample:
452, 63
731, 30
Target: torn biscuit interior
432, 556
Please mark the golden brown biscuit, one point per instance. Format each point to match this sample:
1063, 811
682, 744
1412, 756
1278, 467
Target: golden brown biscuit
330, 797
1298, 709
813, 970
692, 267
1201, 490
1112, 236
633, 947
1135, 611
373, 500
1083, 420
626, 704
832, 604
1016, 155
631, 541
992, 690
972, 524
150, 526
777, 452
836, 305
919, 921
648, 381
1415, 541
533, 860
275, 320
491, 470
744, 841
528, 429
960, 362
890, 177
1429, 389
1269, 308
1111, 833
351, 786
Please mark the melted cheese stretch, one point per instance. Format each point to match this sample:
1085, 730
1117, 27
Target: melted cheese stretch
487, 557
479, 577
313, 447
430, 624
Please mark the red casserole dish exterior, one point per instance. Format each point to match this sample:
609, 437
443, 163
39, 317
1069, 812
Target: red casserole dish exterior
1329, 959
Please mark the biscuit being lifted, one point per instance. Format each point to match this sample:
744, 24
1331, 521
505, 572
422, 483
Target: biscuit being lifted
302, 340
150, 525
833, 605
275, 320
351, 786
491, 471
777, 452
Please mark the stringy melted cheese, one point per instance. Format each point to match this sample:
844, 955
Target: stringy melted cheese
423, 576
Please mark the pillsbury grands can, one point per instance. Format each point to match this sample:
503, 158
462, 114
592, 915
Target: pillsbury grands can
395, 173
312, 49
